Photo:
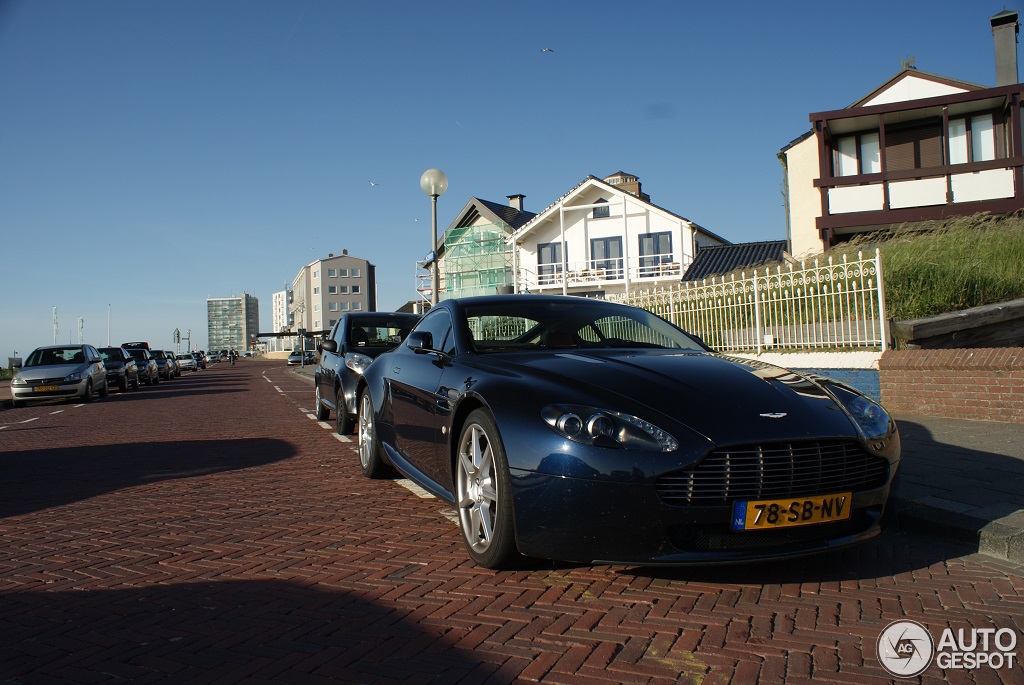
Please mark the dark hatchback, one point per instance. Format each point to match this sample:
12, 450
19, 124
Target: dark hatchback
355, 341
122, 370
167, 368
148, 371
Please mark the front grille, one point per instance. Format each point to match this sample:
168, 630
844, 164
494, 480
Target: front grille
780, 470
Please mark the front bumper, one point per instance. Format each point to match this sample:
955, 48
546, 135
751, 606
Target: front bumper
59, 389
626, 523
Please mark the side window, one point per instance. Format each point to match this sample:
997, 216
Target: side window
439, 325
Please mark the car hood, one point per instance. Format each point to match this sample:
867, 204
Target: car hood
38, 373
724, 399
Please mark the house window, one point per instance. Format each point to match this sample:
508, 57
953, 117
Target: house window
343, 306
332, 290
354, 273
332, 273
857, 155
343, 273
606, 256
356, 306
343, 290
972, 139
316, 290
316, 274
601, 212
332, 306
355, 289
316, 307
914, 147
549, 262
331, 324
656, 254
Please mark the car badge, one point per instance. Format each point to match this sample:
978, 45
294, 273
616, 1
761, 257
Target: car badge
775, 415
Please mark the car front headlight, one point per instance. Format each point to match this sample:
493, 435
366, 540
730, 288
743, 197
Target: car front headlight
18, 380
607, 428
358, 362
73, 377
872, 419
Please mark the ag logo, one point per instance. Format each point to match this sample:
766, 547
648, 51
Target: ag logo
905, 648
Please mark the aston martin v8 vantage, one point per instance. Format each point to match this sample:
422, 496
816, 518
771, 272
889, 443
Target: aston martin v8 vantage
590, 432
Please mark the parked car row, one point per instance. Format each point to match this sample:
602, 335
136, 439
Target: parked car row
81, 371
590, 432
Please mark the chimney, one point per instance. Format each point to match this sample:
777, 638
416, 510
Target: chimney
330, 254
1004, 33
516, 201
344, 253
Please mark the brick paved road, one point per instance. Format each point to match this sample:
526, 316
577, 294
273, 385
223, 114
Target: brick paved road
207, 531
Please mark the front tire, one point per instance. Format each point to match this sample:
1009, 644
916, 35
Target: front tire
87, 397
344, 423
123, 385
484, 493
370, 460
322, 412
105, 390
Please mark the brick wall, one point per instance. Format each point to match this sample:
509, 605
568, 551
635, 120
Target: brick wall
982, 384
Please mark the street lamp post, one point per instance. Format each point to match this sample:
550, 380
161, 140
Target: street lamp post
433, 182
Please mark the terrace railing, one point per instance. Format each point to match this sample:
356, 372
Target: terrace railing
806, 306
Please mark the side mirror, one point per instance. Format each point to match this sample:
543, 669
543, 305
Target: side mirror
420, 342
329, 345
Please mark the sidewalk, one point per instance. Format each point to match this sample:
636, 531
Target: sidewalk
962, 480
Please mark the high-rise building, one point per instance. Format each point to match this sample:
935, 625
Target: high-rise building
232, 322
282, 320
327, 288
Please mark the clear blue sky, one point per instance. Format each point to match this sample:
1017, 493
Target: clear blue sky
154, 154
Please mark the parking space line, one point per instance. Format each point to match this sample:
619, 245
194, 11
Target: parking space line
34, 418
414, 488
342, 438
2, 427
59, 411
324, 424
279, 389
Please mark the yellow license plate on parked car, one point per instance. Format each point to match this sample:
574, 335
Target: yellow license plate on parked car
782, 513
46, 388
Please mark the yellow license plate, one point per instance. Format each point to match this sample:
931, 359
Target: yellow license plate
783, 513
46, 388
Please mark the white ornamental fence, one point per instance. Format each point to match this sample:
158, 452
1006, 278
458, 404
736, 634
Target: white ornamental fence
810, 306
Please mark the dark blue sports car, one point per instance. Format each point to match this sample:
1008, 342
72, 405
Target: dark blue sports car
585, 431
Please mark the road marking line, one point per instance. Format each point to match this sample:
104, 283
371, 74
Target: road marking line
342, 438
414, 488
324, 424
303, 410
34, 418
279, 389
312, 416
2, 427
77, 406
59, 411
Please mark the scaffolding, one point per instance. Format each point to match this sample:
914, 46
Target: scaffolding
476, 261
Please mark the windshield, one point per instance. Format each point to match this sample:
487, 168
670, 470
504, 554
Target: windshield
111, 354
56, 355
581, 324
138, 355
382, 332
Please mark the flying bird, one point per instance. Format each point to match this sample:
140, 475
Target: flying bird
374, 184
546, 50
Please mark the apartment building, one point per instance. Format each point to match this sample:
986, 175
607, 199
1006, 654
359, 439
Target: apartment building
325, 289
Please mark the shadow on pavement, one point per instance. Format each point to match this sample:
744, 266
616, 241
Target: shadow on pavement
38, 479
223, 632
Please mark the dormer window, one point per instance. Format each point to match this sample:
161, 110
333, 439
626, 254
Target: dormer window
601, 212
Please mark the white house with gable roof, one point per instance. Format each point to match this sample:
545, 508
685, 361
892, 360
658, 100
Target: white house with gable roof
604, 236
